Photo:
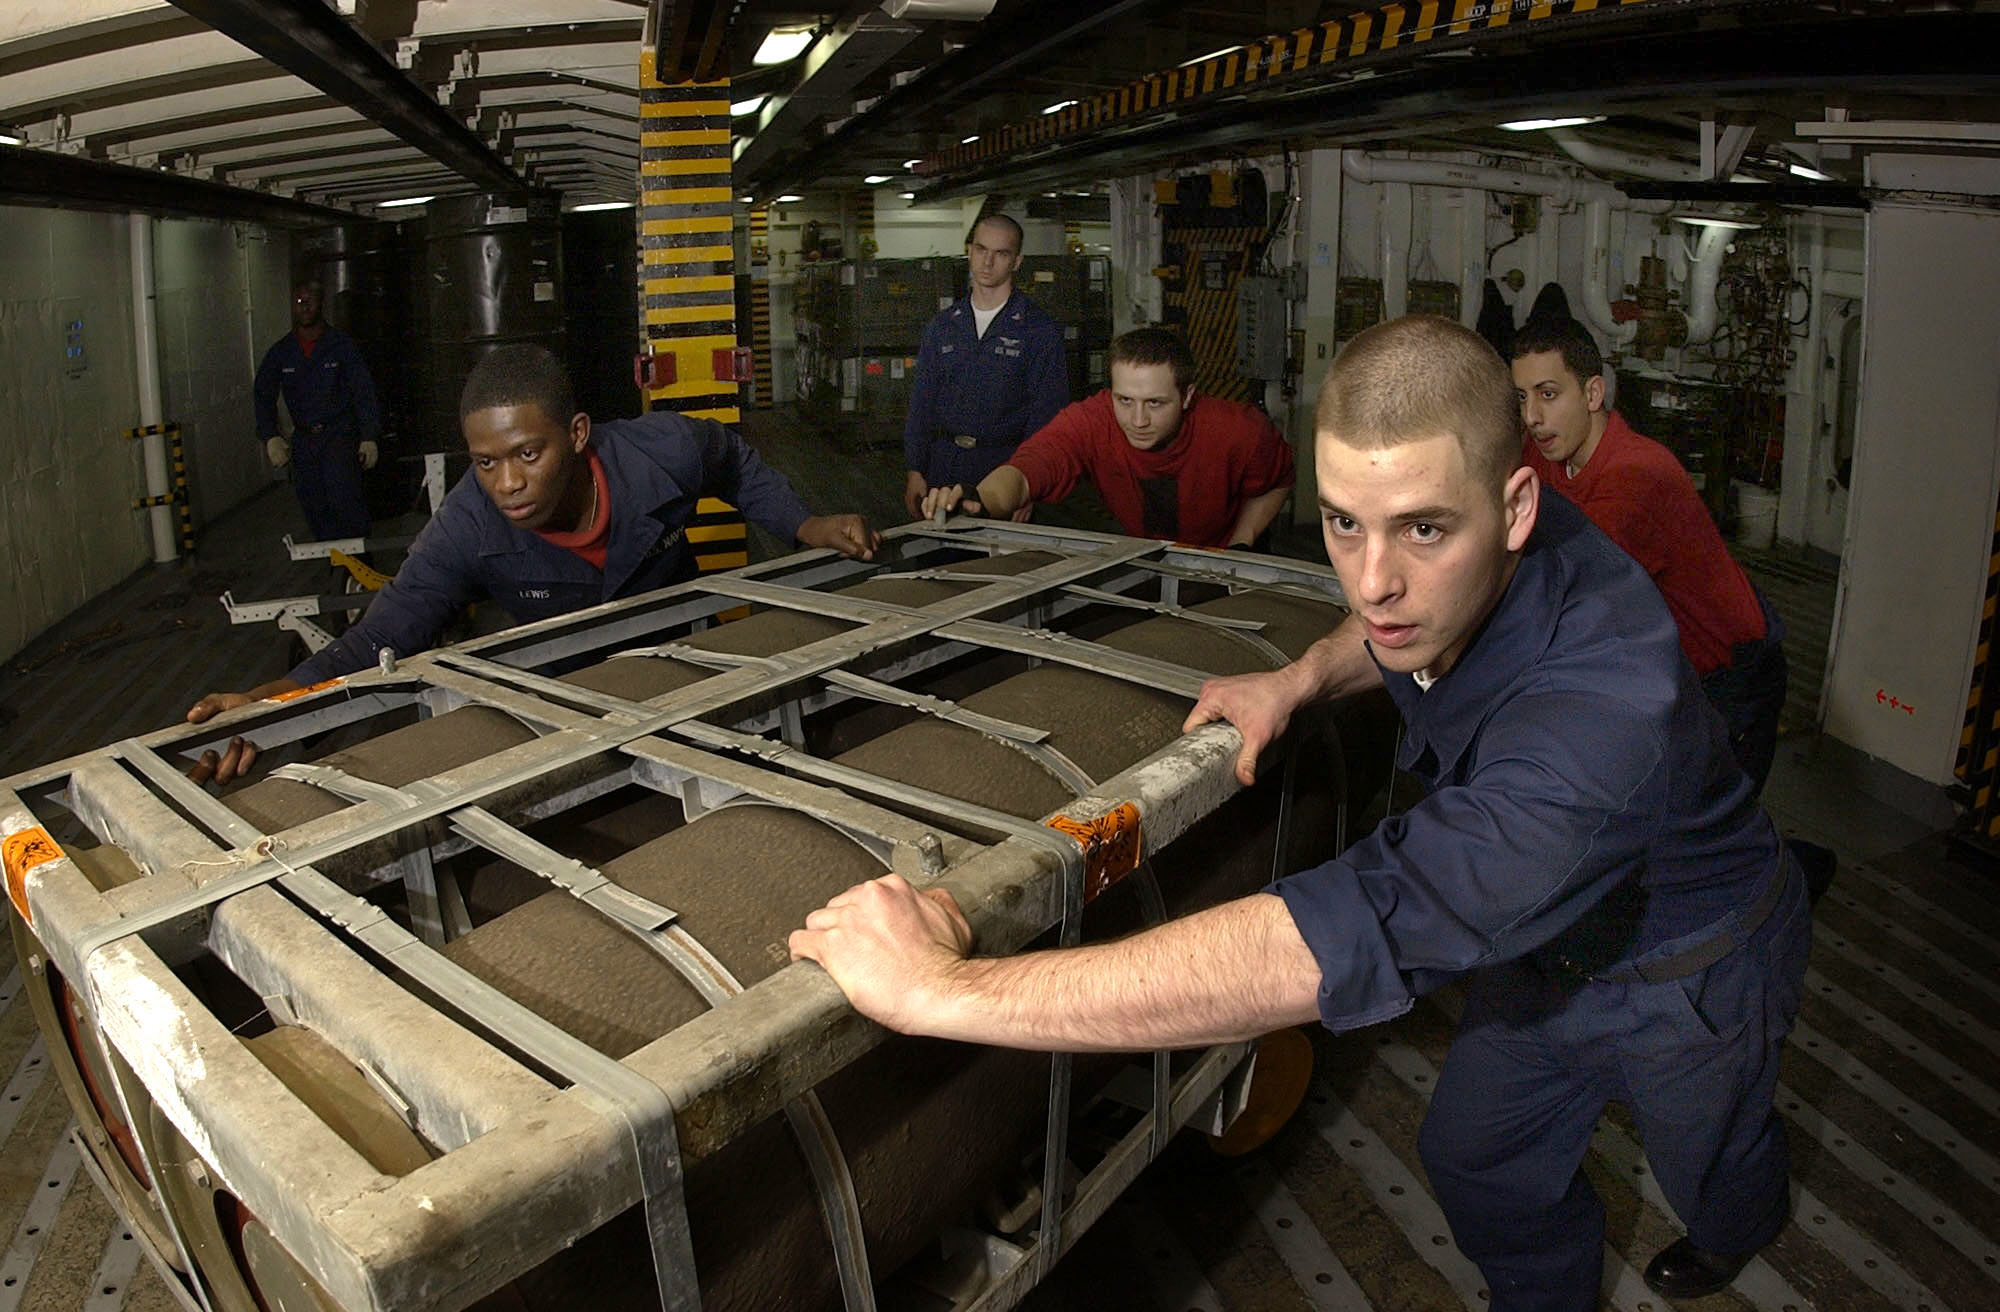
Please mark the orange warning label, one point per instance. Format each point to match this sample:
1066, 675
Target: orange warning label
301, 692
1110, 846
20, 853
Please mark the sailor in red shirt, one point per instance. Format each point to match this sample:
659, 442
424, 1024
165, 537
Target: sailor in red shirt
1169, 464
1639, 494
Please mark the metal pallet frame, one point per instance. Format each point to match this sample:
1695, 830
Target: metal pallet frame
478, 1088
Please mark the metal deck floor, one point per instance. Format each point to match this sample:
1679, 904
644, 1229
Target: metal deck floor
1891, 1085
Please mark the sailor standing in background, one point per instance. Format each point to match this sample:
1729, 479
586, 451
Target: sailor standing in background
991, 371
335, 421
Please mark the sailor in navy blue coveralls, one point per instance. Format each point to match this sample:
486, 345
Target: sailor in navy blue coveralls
1590, 851
974, 398
656, 467
332, 403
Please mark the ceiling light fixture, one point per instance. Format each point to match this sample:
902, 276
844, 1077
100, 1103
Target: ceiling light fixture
596, 205
967, 141
789, 199
876, 179
748, 200
1809, 174
1058, 107
782, 44
911, 164
909, 195
738, 108
1714, 221
1213, 54
1543, 124
9, 139
407, 200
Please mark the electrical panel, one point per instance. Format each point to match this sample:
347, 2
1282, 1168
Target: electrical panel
1260, 328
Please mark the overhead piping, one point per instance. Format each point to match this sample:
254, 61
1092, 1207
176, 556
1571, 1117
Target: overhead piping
1597, 275
1702, 280
146, 361
1597, 198
1610, 159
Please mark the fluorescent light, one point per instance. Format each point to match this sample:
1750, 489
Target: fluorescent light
9, 139
601, 205
1706, 221
1213, 54
407, 200
1543, 124
875, 179
781, 44
909, 164
789, 199
909, 195
1809, 174
748, 200
738, 109
1059, 107
967, 141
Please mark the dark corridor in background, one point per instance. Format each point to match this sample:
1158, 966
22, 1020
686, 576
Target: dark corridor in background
426, 299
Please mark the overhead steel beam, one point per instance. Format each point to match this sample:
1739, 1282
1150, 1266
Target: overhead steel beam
307, 39
45, 177
1800, 51
1001, 46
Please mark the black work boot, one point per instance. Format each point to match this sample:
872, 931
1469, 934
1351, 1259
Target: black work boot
1680, 1270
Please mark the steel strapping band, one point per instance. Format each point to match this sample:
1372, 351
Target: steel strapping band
839, 1204
714, 660
487, 830
541, 685
1238, 630
1239, 583
1025, 739
1164, 608
1067, 851
656, 927
643, 1107
946, 574
1046, 644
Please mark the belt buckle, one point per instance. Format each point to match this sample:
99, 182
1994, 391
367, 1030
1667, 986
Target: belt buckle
965, 441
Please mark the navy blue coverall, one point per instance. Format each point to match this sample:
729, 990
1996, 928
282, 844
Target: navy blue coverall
997, 390
332, 403
657, 468
1591, 851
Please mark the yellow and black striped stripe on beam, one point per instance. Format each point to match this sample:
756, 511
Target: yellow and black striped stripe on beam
1361, 36
687, 273
1979, 738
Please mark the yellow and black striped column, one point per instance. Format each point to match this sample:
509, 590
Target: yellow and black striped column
178, 496
687, 271
1202, 300
763, 390
865, 245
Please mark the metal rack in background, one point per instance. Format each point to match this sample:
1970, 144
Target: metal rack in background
541, 1137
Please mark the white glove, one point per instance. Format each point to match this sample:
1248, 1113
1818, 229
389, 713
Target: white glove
369, 453
278, 451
